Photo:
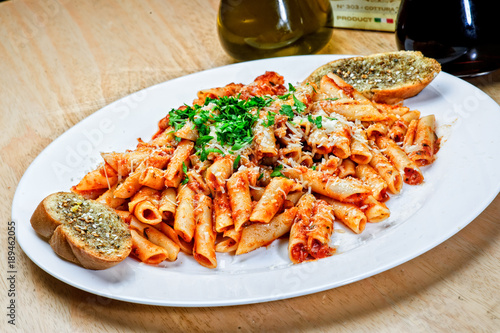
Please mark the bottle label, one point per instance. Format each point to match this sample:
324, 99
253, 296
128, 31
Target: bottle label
365, 14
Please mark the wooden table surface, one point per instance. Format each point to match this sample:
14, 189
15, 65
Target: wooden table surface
61, 61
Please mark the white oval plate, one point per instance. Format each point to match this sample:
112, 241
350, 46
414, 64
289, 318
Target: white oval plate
458, 186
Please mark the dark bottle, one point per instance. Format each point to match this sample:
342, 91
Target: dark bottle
253, 29
463, 35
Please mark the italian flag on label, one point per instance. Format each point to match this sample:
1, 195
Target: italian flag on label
383, 20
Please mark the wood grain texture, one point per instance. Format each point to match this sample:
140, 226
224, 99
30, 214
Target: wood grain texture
60, 61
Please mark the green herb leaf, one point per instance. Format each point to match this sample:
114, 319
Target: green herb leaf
291, 87
318, 121
299, 105
186, 178
261, 176
270, 119
277, 172
236, 162
287, 111
331, 99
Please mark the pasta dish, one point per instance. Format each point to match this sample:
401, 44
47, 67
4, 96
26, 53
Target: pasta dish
246, 164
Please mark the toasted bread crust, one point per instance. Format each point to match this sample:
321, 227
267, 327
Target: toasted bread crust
82, 231
42, 221
385, 77
60, 245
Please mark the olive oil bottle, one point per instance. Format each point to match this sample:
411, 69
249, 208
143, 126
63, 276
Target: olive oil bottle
254, 29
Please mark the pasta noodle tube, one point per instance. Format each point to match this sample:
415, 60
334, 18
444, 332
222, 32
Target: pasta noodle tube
343, 189
184, 222
130, 185
351, 215
222, 212
260, 234
347, 168
297, 243
164, 138
264, 139
318, 139
146, 251
399, 128
188, 131
144, 206
239, 198
230, 243
351, 109
204, 237
172, 234
341, 139
174, 173
425, 141
109, 198
371, 178
125, 215
168, 203
411, 172
272, 199
387, 171
332, 85
360, 153
320, 230
152, 177
103, 177
218, 173
375, 211
156, 237
375, 130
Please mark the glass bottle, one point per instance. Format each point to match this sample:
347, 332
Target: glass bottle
253, 29
463, 35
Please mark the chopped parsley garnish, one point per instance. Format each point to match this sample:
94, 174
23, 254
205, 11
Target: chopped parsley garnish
291, 87
185, 170
277, 172
316, 121
299, 105
287, 111
232, 118
313, 167
236, 162
270, 119
331, 99
261, 176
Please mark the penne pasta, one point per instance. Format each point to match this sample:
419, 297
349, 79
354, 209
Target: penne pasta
247, 164
218, 173
222, 212
350, 215
168, 205
146, 251
204, 238
174, 172
343, 189
184, 222
156, 237
239, 198
387, 171
260, 234
424, 145
273, 198
410, 171
320, 230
